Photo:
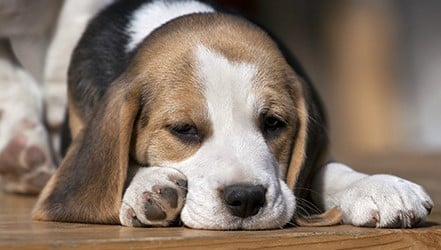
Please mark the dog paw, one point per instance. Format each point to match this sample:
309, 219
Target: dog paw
25, 161
155, 197
384, 201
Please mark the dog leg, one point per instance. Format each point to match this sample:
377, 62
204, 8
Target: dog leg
371, 200
25, 160
72, 20
154, 197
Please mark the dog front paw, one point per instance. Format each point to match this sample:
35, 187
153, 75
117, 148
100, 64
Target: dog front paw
384, 201
155, 197
25, 161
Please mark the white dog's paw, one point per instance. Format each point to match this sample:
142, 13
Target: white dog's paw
26, 162
155, 197
384, 201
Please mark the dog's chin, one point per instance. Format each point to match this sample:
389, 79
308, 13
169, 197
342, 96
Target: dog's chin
274, 215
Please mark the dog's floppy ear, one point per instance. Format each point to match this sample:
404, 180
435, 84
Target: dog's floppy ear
309, 153
310, 148
88, 186
298, 153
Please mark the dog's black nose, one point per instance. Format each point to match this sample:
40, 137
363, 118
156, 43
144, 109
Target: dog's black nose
244, 200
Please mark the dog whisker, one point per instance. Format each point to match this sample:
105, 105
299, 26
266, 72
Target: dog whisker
309, 205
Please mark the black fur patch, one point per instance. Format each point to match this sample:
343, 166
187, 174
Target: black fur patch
100, 56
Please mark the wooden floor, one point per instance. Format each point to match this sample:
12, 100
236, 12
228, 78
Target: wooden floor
17, 231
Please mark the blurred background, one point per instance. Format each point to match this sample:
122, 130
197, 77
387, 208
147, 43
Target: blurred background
376, 64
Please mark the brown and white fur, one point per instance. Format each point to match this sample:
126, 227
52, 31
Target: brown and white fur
201, 114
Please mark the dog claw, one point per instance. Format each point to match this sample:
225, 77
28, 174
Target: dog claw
131, 216
413, 218
178, 181
136, 222
402, 219
375, 219
182, 183
428, 206
376, 216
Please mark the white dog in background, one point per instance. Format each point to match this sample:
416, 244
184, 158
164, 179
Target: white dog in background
34, 56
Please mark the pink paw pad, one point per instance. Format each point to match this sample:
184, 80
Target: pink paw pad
25, 168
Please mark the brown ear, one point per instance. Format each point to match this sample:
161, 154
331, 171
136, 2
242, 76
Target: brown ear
299, 147
88, 186
309, 153
331, 217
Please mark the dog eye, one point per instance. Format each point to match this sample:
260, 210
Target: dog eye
272, 125
185, 132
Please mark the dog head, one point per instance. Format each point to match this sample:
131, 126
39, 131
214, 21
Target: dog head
213, 96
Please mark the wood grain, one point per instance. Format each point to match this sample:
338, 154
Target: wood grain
18, 231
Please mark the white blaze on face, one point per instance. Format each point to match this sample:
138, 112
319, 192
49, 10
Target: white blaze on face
236, 152
228, 90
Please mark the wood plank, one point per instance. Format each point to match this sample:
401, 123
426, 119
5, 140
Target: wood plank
18, 231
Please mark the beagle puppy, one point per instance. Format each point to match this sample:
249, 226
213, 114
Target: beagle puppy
180, 110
